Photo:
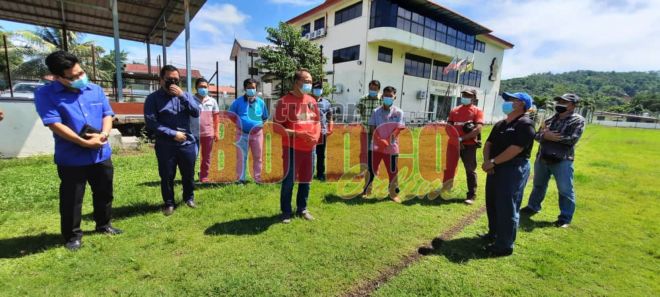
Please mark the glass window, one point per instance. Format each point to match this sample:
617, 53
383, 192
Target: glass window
346, 54
348, 13
451, 32
430, 23
417, 66
319, 23
385, 54
306, 28
416, 28
417, 18
429, 33
441, 37
404, 13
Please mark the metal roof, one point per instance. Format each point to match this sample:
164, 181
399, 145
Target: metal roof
139, 20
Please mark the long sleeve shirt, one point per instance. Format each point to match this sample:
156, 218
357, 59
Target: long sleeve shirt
165, 115
570, 128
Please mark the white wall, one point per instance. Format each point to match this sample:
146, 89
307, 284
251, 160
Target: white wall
21, 132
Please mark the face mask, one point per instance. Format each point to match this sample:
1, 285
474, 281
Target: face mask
317, 92
306, 88
507, 107
373, 93
251, 92
388, 101
466, 101
203, 92
80, 83
560, 108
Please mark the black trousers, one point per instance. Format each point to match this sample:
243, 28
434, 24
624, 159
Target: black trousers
73, 180
469, 158
320, 156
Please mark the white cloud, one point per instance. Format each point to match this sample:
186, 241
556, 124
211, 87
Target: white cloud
558, 36
296, 2
212, 35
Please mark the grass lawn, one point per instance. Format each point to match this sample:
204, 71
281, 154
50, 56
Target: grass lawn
233, 245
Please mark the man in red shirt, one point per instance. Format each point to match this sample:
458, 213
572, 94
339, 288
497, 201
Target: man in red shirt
298, 113
468, 120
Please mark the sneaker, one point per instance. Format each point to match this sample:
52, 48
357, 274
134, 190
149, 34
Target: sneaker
469, 201
286, 219
528, 211
561, 224
307, 216
494, 252
191, 204
395, 198
168, 210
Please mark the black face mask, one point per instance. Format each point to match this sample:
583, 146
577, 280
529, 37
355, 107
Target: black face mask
560, 108
170, 82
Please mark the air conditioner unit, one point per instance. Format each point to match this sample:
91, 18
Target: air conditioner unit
321, 32
312, 35
421, 95
339, 88
307, 35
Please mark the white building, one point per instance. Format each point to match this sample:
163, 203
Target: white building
405, 44
245, 55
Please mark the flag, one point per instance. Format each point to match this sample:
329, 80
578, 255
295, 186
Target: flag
450, 66
470, 65
460, 66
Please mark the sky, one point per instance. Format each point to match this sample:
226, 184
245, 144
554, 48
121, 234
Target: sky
549, 35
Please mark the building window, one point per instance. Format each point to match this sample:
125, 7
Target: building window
348, 13
346, 54
479, 46
385, 54
306, 28
385, 13
319, 23
417, 66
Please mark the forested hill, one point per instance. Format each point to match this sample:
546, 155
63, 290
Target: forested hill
627, 92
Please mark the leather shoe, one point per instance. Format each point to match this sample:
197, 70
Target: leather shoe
109, 230
73, 245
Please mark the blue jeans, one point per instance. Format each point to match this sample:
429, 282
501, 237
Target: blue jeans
298, 163
563, 173
504, 194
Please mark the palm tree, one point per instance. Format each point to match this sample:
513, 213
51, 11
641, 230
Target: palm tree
15, 58
40, 43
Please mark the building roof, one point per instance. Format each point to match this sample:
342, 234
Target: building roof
142, 68
449, 16
228, 89
501, 41
138, 20
240, 44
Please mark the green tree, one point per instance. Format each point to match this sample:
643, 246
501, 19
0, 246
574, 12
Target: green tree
290, 51
15, 58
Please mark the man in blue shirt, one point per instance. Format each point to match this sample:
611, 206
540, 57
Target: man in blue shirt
167, 114
80, 117
252, 112
325, 111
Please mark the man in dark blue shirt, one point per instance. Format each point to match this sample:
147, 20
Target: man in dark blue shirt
167, 114
80, 117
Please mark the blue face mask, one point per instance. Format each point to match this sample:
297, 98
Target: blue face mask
80, 83
466, 101
203, 92
317, 92
251, 92
373, 93
306, 88
507, 107
388, 101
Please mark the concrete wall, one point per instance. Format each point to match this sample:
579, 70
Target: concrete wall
628, 124
21, 132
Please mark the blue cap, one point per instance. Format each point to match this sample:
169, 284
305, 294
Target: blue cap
522, 96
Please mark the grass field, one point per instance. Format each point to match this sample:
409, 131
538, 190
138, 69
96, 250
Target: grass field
234, 245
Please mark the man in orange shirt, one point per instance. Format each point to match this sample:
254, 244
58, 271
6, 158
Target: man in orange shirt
468, 120
298, 113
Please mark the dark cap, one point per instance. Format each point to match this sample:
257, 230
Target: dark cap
470, 92
569, 97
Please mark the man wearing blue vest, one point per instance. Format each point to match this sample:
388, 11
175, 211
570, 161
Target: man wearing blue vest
80, 117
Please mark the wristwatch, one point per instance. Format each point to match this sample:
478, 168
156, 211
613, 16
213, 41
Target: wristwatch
105, 134
460, 139
493, 161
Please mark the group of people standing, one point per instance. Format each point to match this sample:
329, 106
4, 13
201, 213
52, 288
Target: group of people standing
506, 156
185, 126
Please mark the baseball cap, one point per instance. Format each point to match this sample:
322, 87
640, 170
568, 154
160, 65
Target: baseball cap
569, 97
522, 96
